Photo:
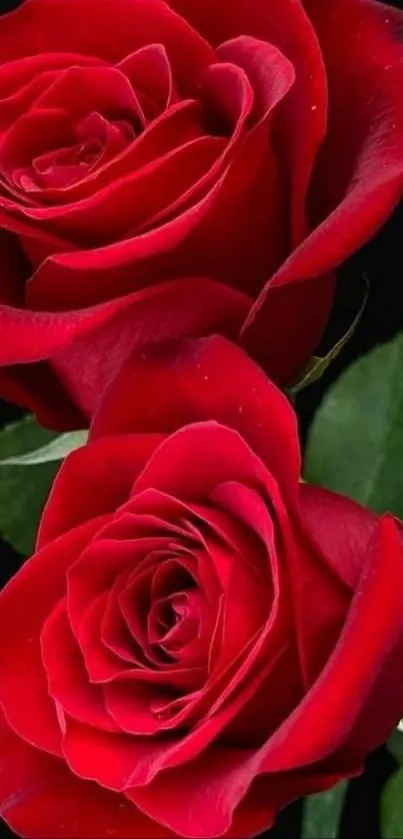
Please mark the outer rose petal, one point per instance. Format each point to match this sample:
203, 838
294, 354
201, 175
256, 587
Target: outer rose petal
104, 472
316, 629
355, 187
364, 89
37, 388
32, 336
106, 336
340, 529
303, 310
190, 381
24, 606
355, 665
365, 736
68, 26
254, 814
256, 809
52, 803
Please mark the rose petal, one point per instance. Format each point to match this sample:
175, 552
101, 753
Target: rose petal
227, 98
363, 91
133, 703
264, 709
105, 472
219, 241
24, 606
303, 310
68, 681
36, 388
318, 626
108, 556
204, 784
340, 529
39, 26
267, 796
114, 633
348, 677
188, 381
51, 802
175, 127
355, 665
136, 761
110, 759
185, 527
125, 205
285, 24
230, 674
21, 100
270, 73
361, 186
23, 73
150, 74
225, 722
222, 452
81, 90
77, 91
101, 663
34, 133
171, 309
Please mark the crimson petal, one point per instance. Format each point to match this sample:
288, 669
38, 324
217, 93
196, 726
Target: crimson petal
179, 383
353, 189
68, 681
105, 470
52, 803
39, 25
22, 616
340, 529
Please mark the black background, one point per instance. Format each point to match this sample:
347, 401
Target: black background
382, 262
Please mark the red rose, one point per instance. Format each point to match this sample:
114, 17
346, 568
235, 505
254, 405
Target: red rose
199, 638
179, 169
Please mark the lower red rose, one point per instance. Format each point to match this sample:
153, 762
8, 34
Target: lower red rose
200, 637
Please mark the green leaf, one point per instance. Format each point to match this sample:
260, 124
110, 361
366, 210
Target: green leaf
57, 449
391, 810
318, 365
322, 813
23, 489
356, 440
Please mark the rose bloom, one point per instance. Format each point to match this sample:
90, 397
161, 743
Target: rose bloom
183, 168
200, 637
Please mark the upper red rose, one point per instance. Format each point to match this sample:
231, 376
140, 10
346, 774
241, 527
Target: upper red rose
200, 638
183, 168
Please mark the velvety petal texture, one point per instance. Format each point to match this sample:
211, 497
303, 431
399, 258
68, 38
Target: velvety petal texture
183, 170
191, 613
